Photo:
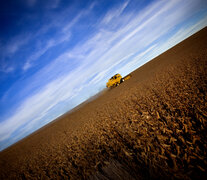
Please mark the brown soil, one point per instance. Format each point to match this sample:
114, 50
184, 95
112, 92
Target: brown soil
153, 126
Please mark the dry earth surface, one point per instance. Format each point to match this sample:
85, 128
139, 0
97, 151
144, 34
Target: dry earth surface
153, 126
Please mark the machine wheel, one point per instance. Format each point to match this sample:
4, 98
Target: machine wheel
122, 80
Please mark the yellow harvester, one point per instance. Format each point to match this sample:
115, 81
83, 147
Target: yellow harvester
116, 80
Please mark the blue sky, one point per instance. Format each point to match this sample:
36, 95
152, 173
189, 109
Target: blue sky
56, 54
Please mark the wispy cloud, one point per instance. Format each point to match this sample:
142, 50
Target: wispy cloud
184, 32
8, 50
42, 50
114, 13
63, 35
15, 44
6, 69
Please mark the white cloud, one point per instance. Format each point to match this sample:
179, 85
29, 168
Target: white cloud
36, 106
114, 13
183, 33
73, 22
15, 44
42, 50
65, 34
138, 60
66, 27
7, 69
179, 36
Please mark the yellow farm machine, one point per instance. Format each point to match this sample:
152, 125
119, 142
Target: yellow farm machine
116, 80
